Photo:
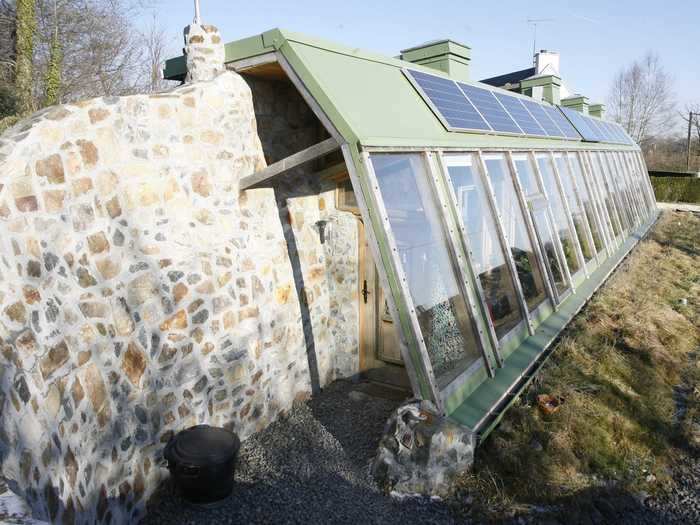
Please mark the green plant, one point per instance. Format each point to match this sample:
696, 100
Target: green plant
8, 102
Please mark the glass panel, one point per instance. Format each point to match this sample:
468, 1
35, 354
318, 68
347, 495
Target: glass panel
414, 218
487, 253
577, 215
639, 177
605, 194
604, 175
629, 186
544, 231
634, 186
526, 175
526, 263
561, 223
586, 201
616, 182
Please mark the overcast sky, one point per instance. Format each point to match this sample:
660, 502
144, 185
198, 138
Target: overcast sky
595, 38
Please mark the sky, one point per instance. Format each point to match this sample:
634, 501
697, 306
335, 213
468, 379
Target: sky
594, 38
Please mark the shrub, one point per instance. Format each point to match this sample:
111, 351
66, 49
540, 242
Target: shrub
676, 189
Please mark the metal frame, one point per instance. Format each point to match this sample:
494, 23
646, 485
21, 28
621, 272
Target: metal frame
606, 178
637, 182
397, 269
502, 236
599, 180
466, 248
569, 216
623, 199
557, 241
458, 262
594, 210
623, 170
589, 180
530, 227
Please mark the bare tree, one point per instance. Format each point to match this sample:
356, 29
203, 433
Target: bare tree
156, 48
695, 110
641, 98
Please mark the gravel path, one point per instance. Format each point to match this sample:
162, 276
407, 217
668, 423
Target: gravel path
311, 467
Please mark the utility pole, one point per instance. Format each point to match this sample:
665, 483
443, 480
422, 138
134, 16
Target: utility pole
690, 128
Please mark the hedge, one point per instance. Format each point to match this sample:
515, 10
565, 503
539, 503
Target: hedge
676, 189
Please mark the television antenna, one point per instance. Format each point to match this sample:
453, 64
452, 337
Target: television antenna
534, 22
197, 13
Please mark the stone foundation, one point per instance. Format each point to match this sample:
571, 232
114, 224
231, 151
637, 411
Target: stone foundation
422, 452
140, 294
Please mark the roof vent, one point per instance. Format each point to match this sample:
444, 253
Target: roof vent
444, 55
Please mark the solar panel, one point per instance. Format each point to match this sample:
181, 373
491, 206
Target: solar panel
489, 107
521, 115
537, 111
581, 124
450, 102
604, 132
563, 124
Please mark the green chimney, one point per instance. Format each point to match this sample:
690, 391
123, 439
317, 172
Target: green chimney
576, 102
445, 55
597, 110
543, 87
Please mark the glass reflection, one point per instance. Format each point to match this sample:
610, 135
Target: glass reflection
556, 205
414, 218
487, 253
526, 264
577, 215
586, 200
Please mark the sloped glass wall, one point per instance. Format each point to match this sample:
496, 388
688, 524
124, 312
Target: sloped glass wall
531, 223
514, 226
424, 254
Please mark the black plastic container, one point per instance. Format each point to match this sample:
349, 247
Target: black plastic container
202, 462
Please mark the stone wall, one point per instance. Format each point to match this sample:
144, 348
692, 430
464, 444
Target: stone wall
141, 294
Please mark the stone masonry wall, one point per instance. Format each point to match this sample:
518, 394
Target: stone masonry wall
140, 294
327, 272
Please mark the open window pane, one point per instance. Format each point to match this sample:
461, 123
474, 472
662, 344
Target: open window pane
577, 213
561, 223
487, 253
586, 201
414, 219
513, 222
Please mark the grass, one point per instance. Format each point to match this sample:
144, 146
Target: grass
615, 368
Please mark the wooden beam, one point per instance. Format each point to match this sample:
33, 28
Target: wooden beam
286, 164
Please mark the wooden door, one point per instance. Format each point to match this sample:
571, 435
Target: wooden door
379, 339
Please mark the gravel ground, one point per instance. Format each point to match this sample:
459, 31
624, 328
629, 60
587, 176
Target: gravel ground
311, 467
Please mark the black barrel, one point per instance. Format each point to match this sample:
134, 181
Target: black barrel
202, 462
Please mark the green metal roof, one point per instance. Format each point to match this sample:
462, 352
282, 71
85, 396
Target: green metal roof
367, 97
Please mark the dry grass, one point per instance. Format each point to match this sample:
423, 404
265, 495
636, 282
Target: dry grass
615, 367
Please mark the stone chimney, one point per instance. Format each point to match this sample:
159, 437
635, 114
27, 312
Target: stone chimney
547, 63
204, 52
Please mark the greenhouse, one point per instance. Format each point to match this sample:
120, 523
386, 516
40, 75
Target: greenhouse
491, 216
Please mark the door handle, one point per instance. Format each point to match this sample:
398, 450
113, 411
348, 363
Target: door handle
365, 291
